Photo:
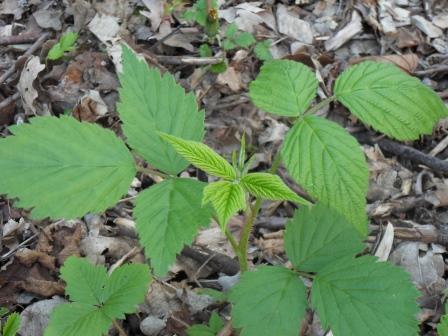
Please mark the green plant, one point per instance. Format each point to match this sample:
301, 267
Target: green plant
234, 38
205, 13
86, 168
214, 327
12, 324
97, 299
66, 44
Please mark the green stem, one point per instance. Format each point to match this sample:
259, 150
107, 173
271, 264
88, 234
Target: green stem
276, 163
232, 241
251, 215
318, 106
150, 171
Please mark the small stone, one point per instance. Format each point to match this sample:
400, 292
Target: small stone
152, 326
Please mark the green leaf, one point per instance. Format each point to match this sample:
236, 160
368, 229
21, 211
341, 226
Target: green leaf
442, 327
228, 44
364, 297
227, 199
12, 325
107, 298
310, 234
245, 40
150, 103
231, 30
72, 319
219, 68
215, 325
68, 40
201, 156
284, 87
271, 187
168, 216
262, 50
63, 168
389, 100
329, 164
268, 301
3, 311
65, 44
205, 50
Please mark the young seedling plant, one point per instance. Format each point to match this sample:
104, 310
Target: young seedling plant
84, 168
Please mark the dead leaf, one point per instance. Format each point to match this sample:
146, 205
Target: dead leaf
90, 107
407, 62
231, 78
344, 35
27, 91
290, 25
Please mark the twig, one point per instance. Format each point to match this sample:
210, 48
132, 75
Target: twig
15, 249
128, 255
176, 60
121, 332
219, 263
406, 152
28, 53
19, 39
9, 100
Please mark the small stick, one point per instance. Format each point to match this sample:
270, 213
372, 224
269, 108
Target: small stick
28, 53
176, 60
19, 39
9, 100
121, 332
128, 255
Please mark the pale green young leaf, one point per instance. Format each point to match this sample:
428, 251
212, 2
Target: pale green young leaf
65, 44
389, 100
201, 156
107, 298
329, 164
168, 216
12, 325
150, 103
262, 50
442, 327
365, 297
268, 301
271, 187
284, 87
227, 199
228, 44
63, 168
245, 39
310, 234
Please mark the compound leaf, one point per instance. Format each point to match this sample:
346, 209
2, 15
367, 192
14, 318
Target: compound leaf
108, 298
168, 216
81, 167
12, 325
150, 103
227, 199
271, 187
284, 88
389, 100
310, 233
201, 156
365, 297
268, 301
329, 164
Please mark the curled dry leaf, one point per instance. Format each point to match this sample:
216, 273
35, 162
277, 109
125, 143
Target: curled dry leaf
407, 62
27, 91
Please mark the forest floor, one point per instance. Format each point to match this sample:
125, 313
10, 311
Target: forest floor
408, 191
